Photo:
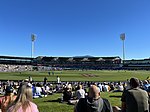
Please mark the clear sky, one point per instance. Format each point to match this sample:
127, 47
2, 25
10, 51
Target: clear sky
75, 27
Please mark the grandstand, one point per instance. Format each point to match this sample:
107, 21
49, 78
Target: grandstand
12, 60
80, 62
138, 64
83, 62
13, 64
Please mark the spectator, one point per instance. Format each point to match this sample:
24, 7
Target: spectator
146, 85
67, 94
80, 93
100, 87
119, 87
7, 99
34, 90
112, 87
134, 99
94, 103
23, 102
127, 85
38, 92
106, 87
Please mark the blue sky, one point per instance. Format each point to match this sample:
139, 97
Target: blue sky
75, 27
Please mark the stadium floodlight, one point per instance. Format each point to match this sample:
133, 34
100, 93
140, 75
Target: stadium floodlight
33, 37
122, 37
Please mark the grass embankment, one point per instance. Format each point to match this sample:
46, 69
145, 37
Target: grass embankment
50, 103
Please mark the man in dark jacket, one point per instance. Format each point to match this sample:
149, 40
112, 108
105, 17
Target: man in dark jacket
94, 103
135, 99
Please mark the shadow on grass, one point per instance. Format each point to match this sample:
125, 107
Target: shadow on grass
59, 101
53, 100
115, 96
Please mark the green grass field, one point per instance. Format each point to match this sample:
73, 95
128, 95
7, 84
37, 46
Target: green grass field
102, 75
50, 103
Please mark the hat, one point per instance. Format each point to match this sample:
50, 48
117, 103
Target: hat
9, 89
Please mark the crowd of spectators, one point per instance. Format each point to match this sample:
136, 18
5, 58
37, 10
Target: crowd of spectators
15, 68
71, 92
21, 68
17, 97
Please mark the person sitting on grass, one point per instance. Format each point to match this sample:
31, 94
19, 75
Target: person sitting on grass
80, 93
119, 87
67, 93
23, 102
93, 103
38, 91
134, 99
7, 99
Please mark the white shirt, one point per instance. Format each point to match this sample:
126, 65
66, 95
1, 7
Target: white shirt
58, 80
80, 93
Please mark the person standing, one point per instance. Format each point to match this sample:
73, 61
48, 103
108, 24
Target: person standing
30, 79
45, 81
58, 80
49, 73
53, 73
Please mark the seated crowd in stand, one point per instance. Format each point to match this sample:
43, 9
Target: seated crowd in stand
14, 68
72, 92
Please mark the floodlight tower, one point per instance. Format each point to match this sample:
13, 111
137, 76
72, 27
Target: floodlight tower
33, 36
122, 37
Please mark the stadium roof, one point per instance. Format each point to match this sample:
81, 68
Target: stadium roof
14, 57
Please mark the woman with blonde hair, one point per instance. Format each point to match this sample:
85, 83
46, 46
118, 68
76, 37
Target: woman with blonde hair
23, 102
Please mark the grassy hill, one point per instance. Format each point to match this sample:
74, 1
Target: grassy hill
50, 103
